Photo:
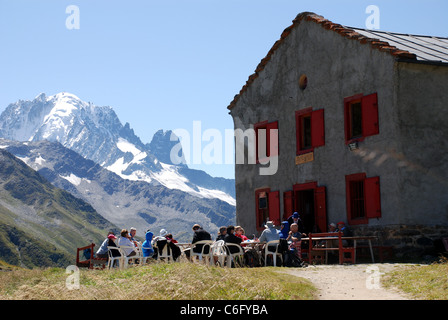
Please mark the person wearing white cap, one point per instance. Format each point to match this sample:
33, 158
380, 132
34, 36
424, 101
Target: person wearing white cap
332, 227
269, 233
161, 236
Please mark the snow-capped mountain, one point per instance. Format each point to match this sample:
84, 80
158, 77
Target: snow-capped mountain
97, 134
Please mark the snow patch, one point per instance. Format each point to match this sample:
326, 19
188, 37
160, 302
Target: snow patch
172, 179
75, 180
119, 166
207, 193
39, 160
27, 160
125, 146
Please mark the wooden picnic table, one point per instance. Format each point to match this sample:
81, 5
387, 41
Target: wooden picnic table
336, 237
369, 240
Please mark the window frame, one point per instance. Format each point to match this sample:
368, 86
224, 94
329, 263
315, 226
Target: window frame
369, 116
371, 198
317, 130
358, 177
272, 207
300, 115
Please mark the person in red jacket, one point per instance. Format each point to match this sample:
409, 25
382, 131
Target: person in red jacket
239, 232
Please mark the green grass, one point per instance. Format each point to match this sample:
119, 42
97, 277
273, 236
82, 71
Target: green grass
423, 282
157, 281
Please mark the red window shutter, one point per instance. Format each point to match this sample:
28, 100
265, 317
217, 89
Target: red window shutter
257, 127
346, 120
298, 134
274, 207
257, 209
288, 204
372, 197
272, 137
370, 124
299, 129
321, 208
317, 128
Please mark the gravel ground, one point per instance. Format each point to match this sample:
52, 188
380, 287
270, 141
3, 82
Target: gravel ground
350, 282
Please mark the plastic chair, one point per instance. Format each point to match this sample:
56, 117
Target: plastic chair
112, 259
268, 251
219, 252
163, 251
206, 246
126, 258
140, 257
231, 256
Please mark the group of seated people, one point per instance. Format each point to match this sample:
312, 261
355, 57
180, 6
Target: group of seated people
129, 244
291, 231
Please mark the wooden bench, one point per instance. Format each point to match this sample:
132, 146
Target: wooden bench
92, 261
316, 252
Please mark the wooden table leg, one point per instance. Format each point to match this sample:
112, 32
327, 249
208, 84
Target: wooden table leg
371, 251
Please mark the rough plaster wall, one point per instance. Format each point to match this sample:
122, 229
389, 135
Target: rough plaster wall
423, 117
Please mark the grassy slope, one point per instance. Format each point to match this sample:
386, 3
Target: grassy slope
157, 281
424, 282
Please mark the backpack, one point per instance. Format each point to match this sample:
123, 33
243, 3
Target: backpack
292, 260
87, 253
252, 258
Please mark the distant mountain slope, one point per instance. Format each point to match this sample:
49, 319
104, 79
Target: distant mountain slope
124, 202
41, 225
97, 134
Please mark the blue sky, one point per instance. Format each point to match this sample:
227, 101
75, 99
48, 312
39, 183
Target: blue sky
165, 64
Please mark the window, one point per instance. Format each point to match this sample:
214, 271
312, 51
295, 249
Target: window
355, 114
310, 130
357, 205
271, 142
267, 204
363, 198
361, 117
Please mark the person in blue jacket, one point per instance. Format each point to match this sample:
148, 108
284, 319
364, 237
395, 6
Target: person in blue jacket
147, 248
284, 231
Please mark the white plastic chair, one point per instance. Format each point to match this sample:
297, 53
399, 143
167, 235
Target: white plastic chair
126, 258
112, 259
139, 256
231, 256
205, 244
165, 254
219, 252
274, 253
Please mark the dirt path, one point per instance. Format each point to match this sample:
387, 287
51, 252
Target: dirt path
350, 282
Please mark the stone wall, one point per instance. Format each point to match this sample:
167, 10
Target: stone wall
408, 241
